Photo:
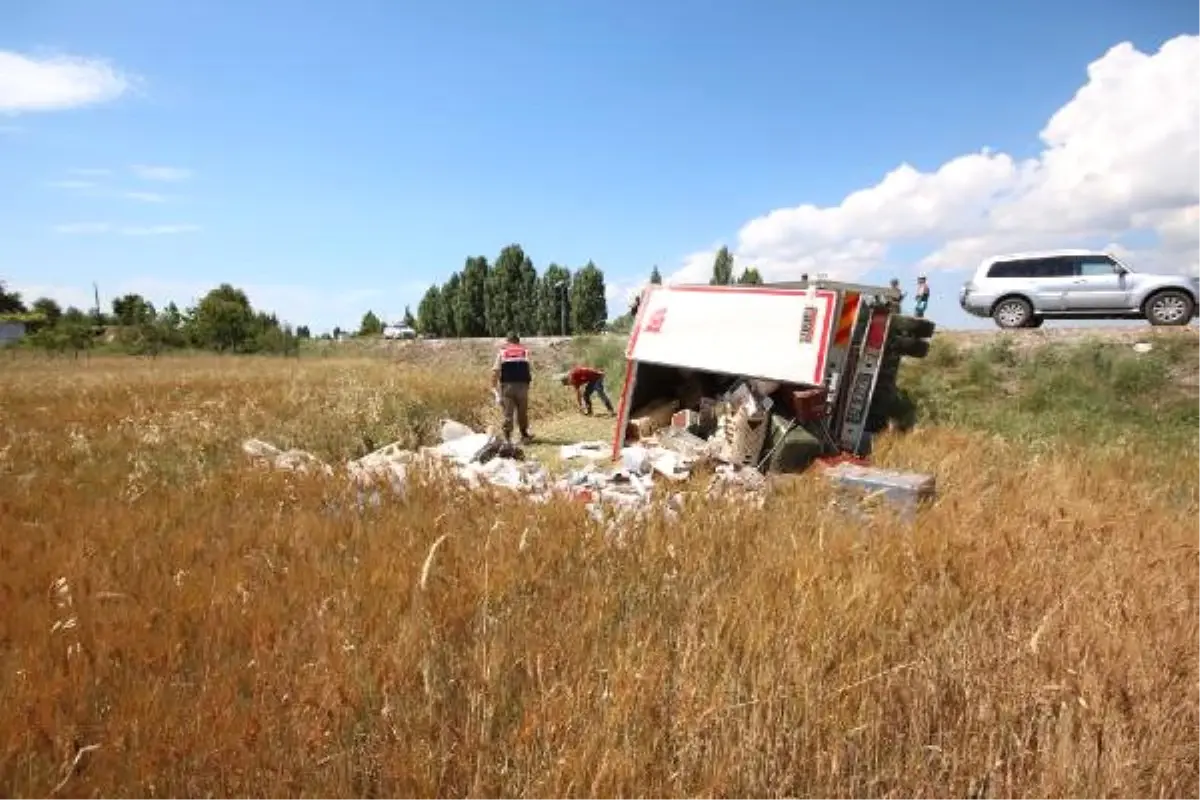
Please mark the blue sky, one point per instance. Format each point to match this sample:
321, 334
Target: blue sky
334, 157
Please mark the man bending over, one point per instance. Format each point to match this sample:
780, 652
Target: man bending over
587, 381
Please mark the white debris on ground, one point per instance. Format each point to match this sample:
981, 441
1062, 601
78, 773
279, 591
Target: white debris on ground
728, 433
297, 460
479, 459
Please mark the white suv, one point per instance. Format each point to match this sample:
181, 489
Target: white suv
399, 331
1025, 289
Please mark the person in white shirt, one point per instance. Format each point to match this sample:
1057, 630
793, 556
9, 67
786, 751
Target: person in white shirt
922, 296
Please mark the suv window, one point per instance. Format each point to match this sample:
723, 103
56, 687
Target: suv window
1094, 265
1033, 268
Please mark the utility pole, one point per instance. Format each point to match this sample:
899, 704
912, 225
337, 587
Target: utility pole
562, 303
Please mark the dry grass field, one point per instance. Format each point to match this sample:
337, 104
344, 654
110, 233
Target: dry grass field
178, 622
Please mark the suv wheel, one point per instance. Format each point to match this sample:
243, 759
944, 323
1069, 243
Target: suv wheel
1169, 308
1012, 312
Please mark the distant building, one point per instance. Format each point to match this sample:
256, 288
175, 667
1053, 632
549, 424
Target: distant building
11, 333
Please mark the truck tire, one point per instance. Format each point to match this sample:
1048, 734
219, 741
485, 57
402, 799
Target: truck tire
881, 401
1169, 307
916, 327
890, 405
907, 346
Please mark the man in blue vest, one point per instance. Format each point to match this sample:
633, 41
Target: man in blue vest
511, 377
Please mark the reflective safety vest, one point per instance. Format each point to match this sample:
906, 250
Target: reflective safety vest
514, 365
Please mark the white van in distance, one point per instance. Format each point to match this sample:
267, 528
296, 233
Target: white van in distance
398, 331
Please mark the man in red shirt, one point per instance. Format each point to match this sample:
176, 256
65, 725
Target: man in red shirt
591, 381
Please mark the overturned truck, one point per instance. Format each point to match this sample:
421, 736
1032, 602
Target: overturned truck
772, 377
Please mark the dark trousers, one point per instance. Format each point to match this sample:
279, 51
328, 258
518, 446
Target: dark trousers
514, 400
596, 387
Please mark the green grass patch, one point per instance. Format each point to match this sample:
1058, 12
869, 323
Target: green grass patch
603, 352
1092, 391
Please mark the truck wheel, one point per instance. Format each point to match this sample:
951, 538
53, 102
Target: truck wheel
1169, 307
916, 327
890, 405
1034, 322
1012, 312
891, 359
907, 346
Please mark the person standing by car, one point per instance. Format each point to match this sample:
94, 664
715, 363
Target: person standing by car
591, 381
922, 296
511, 376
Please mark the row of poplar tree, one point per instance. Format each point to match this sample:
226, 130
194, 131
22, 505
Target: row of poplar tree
509, 296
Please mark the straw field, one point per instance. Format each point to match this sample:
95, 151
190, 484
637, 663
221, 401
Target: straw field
178, 622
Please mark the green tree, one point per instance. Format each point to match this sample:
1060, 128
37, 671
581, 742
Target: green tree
527, 286
589, 306
171, 316
132, 310
431, 313
73, 333
77, 332
409, 320
74, 316
11, 302
722, 274
506, 308
274, 336
371, 325
471, 304
554, 291
303, 332
223, 320
655, 276
169, 327
48, 308
450, 292
750, 277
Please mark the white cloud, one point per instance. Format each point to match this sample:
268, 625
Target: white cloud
158, 230
620, 295
75, 228
1122, 155
145, 197
94, 188
54, 83
152, 173
72, 184
125, 230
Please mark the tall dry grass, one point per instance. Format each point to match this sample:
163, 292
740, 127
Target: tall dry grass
177, 623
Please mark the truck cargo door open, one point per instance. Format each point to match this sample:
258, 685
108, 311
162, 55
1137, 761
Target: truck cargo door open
770, 333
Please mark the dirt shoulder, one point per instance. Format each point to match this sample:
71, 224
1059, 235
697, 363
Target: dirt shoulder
546, 349
1032, 338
